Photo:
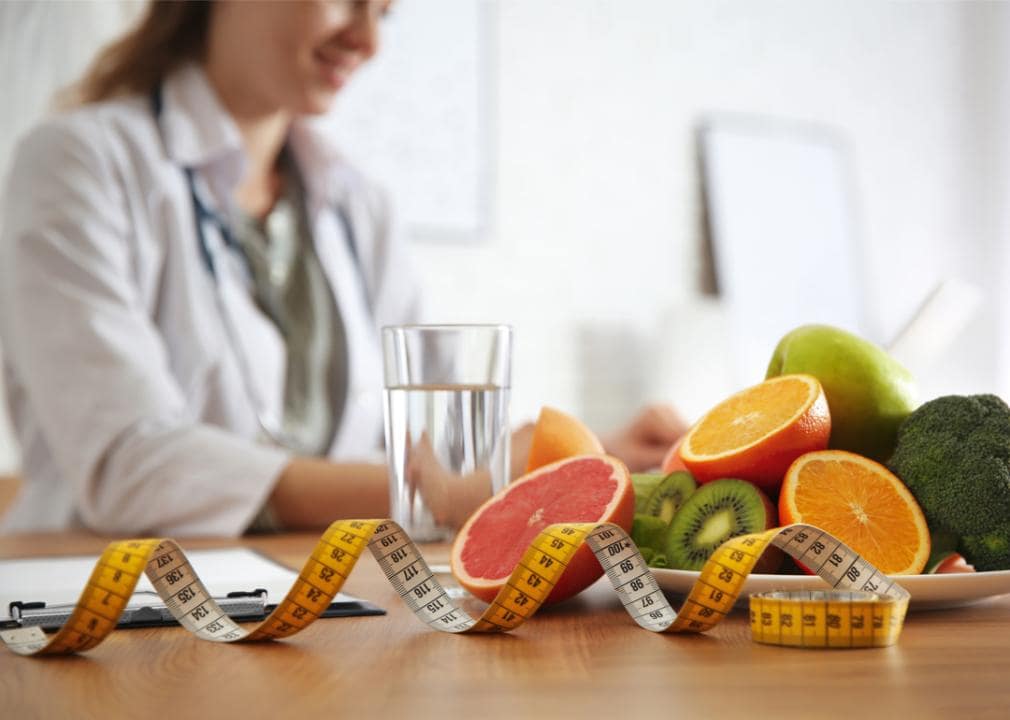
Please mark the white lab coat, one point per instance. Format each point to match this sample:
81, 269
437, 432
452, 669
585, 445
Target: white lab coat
124, 390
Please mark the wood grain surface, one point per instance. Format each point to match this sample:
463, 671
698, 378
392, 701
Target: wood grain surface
10, 485
583, 658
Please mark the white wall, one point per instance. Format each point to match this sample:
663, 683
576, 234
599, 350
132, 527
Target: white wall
597, 214
596, 207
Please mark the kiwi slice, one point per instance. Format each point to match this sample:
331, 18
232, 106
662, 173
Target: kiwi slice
713, 514
669, 495
649, 532
652, 558
644, 484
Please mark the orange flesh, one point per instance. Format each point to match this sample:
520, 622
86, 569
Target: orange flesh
575, 492
862, 507
746, 418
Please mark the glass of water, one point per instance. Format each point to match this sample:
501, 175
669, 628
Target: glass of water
447, 422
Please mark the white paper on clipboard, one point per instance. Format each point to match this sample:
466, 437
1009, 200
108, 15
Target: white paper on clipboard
782, 231
59, 580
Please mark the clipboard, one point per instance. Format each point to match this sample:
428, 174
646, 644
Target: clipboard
246, 584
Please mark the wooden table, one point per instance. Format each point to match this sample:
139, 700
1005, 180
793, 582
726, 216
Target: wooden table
584, 657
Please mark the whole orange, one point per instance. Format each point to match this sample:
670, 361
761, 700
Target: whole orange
671, 461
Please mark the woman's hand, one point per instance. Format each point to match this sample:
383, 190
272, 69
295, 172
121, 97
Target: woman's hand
522, 440
313, 492
450, 497
643, 442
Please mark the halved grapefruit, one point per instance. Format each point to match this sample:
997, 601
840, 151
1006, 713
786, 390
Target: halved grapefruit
587, 488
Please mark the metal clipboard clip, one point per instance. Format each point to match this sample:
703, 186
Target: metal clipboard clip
238, 605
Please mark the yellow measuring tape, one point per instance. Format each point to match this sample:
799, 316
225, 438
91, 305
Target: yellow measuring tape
866, 608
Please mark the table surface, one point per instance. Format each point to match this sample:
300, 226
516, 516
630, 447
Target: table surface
581, 657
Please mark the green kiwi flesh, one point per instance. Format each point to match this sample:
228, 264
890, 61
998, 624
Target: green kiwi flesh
644, 484
649, 532
713, 514
669, 495
653, 558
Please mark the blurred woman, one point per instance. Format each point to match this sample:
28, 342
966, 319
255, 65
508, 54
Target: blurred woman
192, 279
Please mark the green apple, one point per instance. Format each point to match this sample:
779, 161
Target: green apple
869, 393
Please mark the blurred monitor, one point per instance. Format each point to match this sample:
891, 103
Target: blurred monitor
781, 232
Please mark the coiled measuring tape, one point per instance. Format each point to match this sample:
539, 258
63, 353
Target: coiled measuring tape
865, 609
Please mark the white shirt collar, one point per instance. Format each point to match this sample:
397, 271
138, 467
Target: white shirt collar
200, 133
327, 175
198, 130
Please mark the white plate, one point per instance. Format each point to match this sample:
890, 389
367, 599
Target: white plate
929, 592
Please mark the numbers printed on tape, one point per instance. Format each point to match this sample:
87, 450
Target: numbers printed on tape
865, 609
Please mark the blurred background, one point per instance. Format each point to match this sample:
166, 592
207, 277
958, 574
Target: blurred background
653, 191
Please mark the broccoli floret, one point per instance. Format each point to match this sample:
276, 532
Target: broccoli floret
990, 551
953, 453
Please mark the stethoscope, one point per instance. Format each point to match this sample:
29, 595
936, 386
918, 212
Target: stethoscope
269, 424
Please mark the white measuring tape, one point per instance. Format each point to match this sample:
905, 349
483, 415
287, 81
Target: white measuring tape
866, 608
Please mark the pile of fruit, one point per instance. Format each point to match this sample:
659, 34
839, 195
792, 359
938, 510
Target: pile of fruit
807, 445
831, 438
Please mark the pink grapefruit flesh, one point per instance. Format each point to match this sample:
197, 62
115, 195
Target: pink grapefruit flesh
487, 549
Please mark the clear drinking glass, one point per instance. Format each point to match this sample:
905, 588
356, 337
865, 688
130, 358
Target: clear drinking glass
447, 422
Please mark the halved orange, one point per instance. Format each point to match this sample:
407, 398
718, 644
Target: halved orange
757, 433
860, 502
557, 436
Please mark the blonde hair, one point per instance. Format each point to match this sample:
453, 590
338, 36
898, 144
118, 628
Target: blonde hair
167, 35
